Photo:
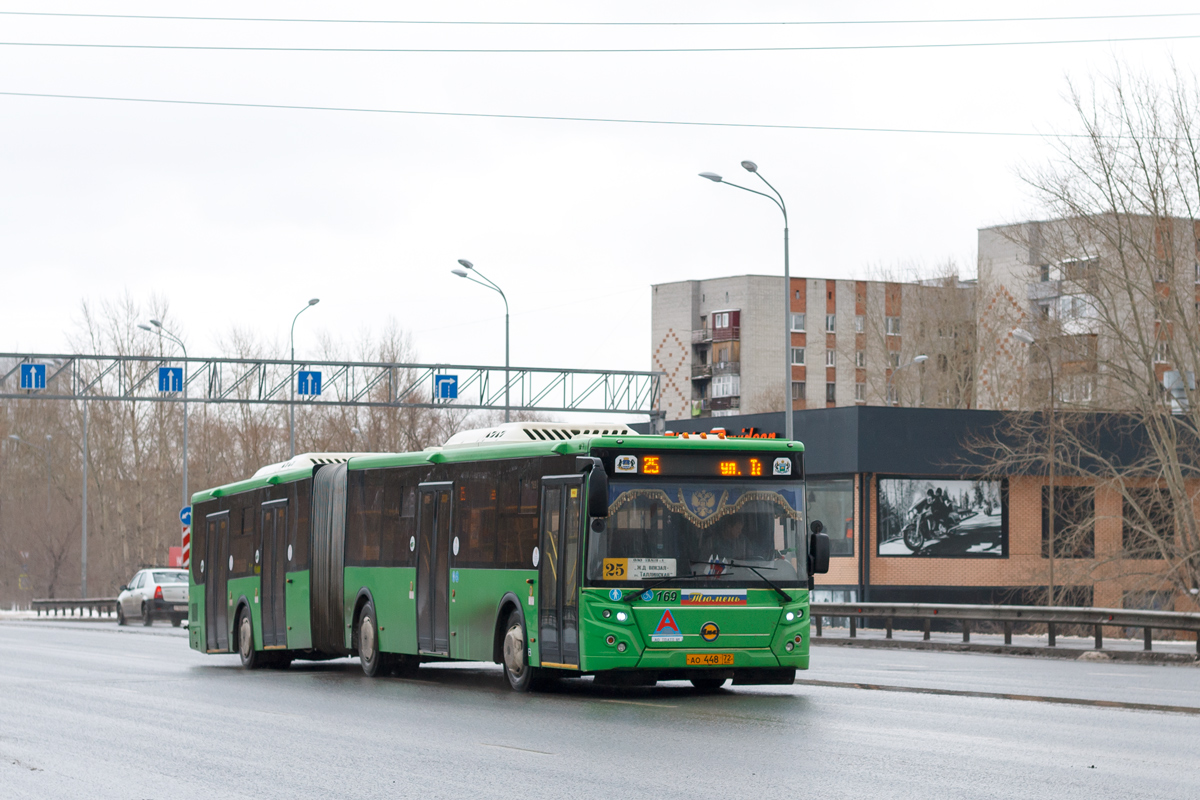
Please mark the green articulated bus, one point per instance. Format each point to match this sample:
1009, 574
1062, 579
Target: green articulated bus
553, 550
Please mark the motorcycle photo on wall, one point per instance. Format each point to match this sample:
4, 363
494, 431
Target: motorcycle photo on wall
942, 518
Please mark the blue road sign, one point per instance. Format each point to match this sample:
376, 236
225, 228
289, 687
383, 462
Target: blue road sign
309, 382
445, 387
170, 379
185, 515
33, 376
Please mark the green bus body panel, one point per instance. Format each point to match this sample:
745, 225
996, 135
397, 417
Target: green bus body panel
475, 604
755, 633
196, 638
297, 610
395, 610
237, 487
579, 446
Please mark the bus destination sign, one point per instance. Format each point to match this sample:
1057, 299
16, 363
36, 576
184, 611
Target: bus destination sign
720, 465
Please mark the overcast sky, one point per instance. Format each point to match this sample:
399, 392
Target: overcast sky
237, 216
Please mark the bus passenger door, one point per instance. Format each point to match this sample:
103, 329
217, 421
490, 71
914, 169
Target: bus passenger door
216, 573
558, 598
274, 567
433, 568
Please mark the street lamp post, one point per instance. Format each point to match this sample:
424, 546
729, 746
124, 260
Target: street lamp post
474, 276
292, 381
921, 359
44, 451
161, 331
1024, 336
777, 199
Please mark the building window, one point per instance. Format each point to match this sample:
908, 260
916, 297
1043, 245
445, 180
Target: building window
832, 502
860, 359
894, 359
831, 393
798, 356
1074, 521
831, 323
798, 323
1149, 524
726, 385
892, 397
831, 358
892, 326
1198, 272
1160, 353
1044, 273
721, 320
860, 323
860, 393
798, 390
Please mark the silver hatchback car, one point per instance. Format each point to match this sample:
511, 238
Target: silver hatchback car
156, 593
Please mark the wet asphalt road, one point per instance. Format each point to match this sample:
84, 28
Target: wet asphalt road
90, 710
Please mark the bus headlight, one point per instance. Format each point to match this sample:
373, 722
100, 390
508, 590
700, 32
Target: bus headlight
622, 616
621, 647
789, 616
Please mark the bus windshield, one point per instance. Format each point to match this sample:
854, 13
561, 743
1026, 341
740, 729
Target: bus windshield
702, 530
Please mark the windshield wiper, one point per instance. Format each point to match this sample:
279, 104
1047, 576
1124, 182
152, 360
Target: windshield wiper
787, 597
639, 592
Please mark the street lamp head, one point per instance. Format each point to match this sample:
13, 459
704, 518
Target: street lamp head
1023, 336
749, 166
712, 176
156, 323
145, 327
314, 301
14, 437
462, 273
921, 359
466, 264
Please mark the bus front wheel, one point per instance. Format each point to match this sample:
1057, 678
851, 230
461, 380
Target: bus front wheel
521, 676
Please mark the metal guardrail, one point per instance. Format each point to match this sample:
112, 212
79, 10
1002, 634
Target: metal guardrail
1050, 616
94, 606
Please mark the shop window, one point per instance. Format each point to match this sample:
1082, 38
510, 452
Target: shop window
1148, 524
832, 502
1074, 521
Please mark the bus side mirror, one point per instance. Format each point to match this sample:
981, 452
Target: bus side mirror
818, 549
598, 493
597, 485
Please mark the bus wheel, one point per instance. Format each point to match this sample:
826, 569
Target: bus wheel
708, 684
521, 676
374, 663
251, 658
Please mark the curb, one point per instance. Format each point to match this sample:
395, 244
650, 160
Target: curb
1116, 656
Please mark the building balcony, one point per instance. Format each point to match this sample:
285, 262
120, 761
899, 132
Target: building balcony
702, 336
702, 372
706, 335
720, 403
1043, 290
726, 368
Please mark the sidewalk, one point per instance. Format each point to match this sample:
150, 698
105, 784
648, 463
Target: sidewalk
1168, 651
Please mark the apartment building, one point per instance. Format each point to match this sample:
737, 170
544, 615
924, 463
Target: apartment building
1105, 296
721, 344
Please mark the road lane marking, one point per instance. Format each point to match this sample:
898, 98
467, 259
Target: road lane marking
522, 749
1068, 701
636, 703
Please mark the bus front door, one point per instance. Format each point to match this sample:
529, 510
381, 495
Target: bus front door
433, 568
274, 567
558, 598
216, 609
